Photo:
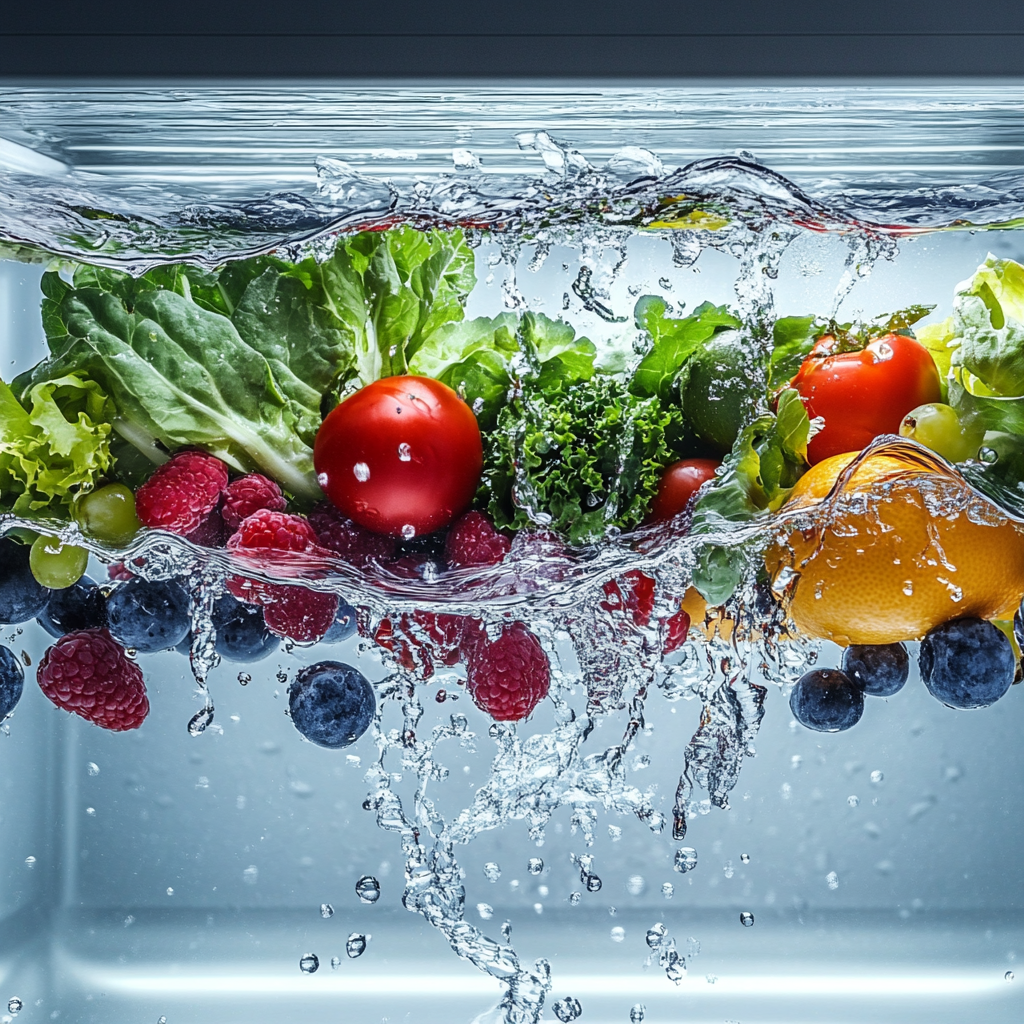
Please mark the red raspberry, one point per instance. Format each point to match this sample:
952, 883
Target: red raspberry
88, 672
676, 629
182, 492
354, 543
295, 613
422, 639
249, 494
274, 531
473, 541
634, 591
510, 676
210, 533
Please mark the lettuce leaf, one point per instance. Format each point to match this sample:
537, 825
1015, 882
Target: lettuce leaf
55, 447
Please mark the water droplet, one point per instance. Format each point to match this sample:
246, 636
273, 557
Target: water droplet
506, 931
161, 1019
668, 890
335, 962
14, 1005
244, 678
368, 889
199, 722
567, 1009
30, 862
637, 1013
635, 885
535, 866
593, 883
478, 406
655, 934
832, 879
853, 800
485, 910
129, 921
747, 919
361, 471
908, 588
618, 934
356, 945
745, 858
251, 875
91, 811
309, 964
92, 768
877, 778
574, 899
1008, 976
408, 531
404, 453
492, 871
988, 455
326, 911
170, 890
685, 860
538, 908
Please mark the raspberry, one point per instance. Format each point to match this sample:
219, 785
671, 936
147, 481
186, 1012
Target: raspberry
354, 543
249, 494
182, 492
295, 613
422, 639
473, 541
276, 531
88, 672
634, 591
121, 572
676, 629
507, 677
210, 533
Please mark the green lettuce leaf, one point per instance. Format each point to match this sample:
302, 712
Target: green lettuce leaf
55, 447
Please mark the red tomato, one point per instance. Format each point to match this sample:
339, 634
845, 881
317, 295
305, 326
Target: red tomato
402, 456
677, 486
860, 395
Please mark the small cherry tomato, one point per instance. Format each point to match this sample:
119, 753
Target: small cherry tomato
402, 456
860, 395
677, 486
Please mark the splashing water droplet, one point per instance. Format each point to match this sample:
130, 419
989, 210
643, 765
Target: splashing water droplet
309, 963
170, 890
853, 800
408, 531
635, 885
747, 919
485, 910
989, 456
655, 934
200, 721
574, 899
535, 866
14, 1005
92, 768
637, 1013
492, 872
593, 883
685, 859
404, 453
567, 1009
668, 890
368, 889
251, 875
744, 858
618, 934
355, 946
361, 471
335, 962
877, 778
1008, 976
244, 678
832, 880
326, 911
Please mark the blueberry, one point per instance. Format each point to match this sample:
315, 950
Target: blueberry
148, 615
331, 704
880, 669
22, 597
242, 635
344, 624
80, 606
967, 663
827, 700
12, 680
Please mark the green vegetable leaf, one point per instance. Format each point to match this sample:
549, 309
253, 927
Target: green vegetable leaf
673, 342
56, 446
792, 340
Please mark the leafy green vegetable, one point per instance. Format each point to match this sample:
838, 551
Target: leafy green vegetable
54, 447
579, 458
765, 463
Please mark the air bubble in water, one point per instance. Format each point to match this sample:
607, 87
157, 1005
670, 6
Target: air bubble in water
635, 885
593, 883
668, 890
988, 455
745, 858
877, 778
685, 860
92, 768
30, 861
492, 871
832, 879
1008, 976
361, 471
251, 875
356, 945
567, 1009
853, 800
335, 962
747, 919
244, 678
574, 899
368, 889
655, 934
404, 453
618, 934
200, 721
535, 865
637, 1013
408, 531
485, 910
309, 964
14, 1005
326, 911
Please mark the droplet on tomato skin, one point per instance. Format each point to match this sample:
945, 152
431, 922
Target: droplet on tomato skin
404, 452
408, 531
321, 479
881, 353
361, 471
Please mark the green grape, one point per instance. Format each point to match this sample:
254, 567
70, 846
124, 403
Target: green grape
938, 427
56, 565
109, 514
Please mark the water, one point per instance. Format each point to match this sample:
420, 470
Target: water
220, 879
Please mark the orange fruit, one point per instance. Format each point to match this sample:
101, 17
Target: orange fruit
899, 549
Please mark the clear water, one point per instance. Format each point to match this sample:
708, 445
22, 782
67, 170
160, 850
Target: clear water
162, 874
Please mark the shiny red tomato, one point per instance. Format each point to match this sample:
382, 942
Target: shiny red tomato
402, 456
677, 486
860, 395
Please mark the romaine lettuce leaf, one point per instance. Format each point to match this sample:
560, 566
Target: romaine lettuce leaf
55, 447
